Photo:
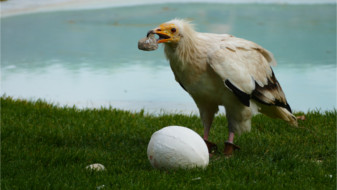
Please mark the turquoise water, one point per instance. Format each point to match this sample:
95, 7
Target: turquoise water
89, 58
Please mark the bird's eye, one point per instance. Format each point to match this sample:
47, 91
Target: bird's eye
173, 30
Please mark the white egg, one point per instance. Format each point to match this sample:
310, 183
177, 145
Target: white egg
177, 147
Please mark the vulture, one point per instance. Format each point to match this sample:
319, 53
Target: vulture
223, 70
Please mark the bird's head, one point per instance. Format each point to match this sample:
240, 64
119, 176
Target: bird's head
169, 32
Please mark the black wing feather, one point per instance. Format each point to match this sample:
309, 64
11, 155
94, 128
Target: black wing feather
272, 85
243, 97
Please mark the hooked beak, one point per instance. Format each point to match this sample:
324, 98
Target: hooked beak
163, 36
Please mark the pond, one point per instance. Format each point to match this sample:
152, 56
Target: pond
89, 58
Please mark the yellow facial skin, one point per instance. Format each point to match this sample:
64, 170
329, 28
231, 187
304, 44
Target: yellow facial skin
168, 33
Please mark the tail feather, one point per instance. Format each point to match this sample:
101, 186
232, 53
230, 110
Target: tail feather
287, 116
279, 112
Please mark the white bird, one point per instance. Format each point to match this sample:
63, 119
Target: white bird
223, 70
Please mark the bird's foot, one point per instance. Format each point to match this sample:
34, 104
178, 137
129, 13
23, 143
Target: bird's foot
230, 148
212, 147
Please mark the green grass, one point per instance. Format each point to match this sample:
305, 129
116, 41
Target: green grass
48, 147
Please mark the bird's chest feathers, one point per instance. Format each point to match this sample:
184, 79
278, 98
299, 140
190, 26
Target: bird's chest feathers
196, 78
191, 70
187, 73
187, 64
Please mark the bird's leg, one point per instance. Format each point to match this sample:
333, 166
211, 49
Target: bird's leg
229, 145
230, 137
207, 127
207, 116
232, 127
212, 147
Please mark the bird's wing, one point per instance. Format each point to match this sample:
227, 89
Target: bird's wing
245, 68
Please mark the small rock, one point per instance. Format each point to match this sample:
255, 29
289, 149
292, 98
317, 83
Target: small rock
197, 178
100, 187
148, 43
95, 167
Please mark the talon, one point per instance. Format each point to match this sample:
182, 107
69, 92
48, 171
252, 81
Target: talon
229, 148
212, 147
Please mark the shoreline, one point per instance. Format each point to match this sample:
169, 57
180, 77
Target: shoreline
19, 7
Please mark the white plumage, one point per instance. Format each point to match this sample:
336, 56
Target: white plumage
222, 70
